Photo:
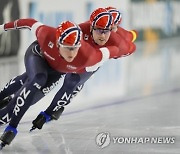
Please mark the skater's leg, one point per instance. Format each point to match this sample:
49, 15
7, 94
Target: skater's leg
76, 92
6, 113
25, 98
83, 78
56, 108
10, 89
13, 86
31, 93
53, 79
22, 102
37, 71
73, 84
64, 94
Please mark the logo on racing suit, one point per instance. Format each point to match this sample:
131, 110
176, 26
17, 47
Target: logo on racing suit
8, 84
20, 101
46, 90
86, 37
63, 101
50, 44
70, 67
5, 119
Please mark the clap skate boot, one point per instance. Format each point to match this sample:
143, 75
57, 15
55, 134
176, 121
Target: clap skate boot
43, 118
8, 135
5, 101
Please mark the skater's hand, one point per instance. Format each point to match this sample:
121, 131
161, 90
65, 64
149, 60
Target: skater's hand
1, 29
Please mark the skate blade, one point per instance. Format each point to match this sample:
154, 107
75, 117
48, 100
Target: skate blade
2, 145
33, 128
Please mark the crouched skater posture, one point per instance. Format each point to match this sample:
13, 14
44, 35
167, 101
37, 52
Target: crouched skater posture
56, 52
97, 33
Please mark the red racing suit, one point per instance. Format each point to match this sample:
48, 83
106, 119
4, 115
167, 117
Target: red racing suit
121, 39
89, 57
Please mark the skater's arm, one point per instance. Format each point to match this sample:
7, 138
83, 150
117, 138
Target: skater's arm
97, 57
28, 23
128, 35
126, 47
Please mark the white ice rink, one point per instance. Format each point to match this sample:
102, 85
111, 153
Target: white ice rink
147, 108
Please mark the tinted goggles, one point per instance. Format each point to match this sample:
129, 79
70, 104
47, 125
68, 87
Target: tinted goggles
102, 31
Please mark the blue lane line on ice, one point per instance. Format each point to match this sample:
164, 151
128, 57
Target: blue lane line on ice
137, 98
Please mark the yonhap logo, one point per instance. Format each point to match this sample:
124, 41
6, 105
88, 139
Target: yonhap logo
103, 139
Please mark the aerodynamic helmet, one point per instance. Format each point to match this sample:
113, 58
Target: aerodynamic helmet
68, 34
101, 18
117, 17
